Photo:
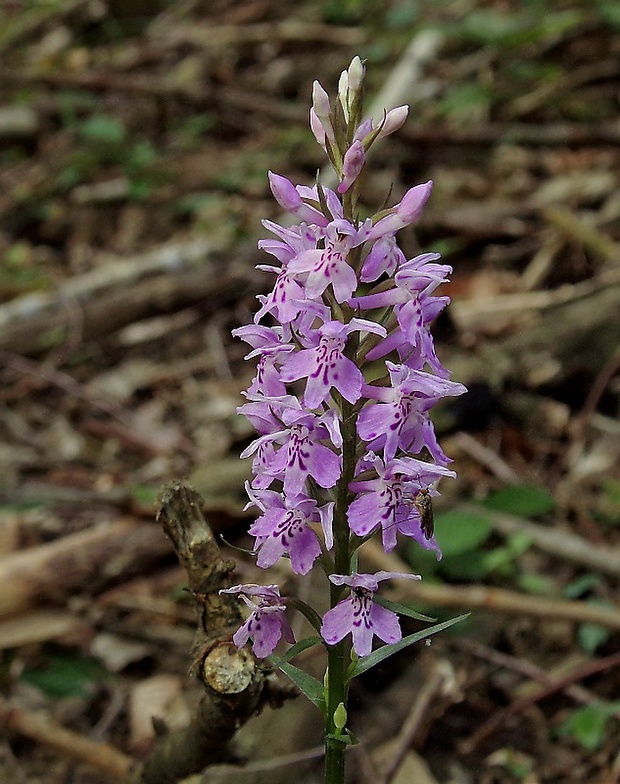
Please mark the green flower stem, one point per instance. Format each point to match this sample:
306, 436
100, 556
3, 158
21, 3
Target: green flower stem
339, 656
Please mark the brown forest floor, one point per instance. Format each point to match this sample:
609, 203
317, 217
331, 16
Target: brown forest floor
134, 143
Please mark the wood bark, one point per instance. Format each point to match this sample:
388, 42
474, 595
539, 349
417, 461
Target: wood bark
87, 561
122, 291
236, 687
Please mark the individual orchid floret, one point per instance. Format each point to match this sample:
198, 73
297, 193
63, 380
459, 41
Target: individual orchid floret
385, 257
303, 452
267, 622
285, 528
305, 455
415, 309
359, 615
287, 297
330, 265
418, 274
354, 161
326, 366
291, 240
404, 213
400, 418
268, 345
285, 300
389, 500
288, 198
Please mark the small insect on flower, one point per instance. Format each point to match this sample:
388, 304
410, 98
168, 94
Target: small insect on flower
424, 505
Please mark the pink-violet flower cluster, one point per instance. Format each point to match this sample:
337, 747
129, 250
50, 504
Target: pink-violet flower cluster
345, 380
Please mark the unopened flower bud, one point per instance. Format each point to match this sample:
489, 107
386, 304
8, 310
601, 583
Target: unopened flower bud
404, 213
340, 716
349, 85
394, 119
356, 75
320, 101
288, 198
354, 161
316, 126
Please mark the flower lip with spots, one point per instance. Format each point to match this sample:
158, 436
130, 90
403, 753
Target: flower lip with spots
266, 623
359, 615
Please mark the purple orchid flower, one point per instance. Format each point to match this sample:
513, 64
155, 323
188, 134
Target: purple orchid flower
302, 451
400, 420
289, 198
385, 257
267, 622
268, 345
389, 500
359, 615
404, 213
307, 448
285, 528
326, 366
330, 265
415, 309
354, 161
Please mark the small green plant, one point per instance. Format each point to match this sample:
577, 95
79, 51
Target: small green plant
105, 143
65, 675
590, 724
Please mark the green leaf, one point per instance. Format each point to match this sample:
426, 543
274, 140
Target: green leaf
491, 26
302, 645
402, 609
591, 635
311, 615
608, 506
145, 495
347, 738
537, 584
503, 559
65, 676
581, 585
381, 654
609, 13
460, 532
463, 99
101, 128
472, 566
588, 725
522, 500
308, 685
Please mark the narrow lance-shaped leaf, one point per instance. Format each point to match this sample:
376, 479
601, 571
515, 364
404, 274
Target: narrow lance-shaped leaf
308, 685
381, 654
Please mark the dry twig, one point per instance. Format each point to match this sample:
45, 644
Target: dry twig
88, 560
441, 680
558, 543
70, 744
235, 686
481, 597
499, 717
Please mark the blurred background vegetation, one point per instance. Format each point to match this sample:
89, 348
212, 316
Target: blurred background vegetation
135, 136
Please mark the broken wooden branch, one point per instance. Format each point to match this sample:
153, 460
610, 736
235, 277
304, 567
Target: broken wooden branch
88, 561
574, 328
122, 291
236, 687
70, 744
